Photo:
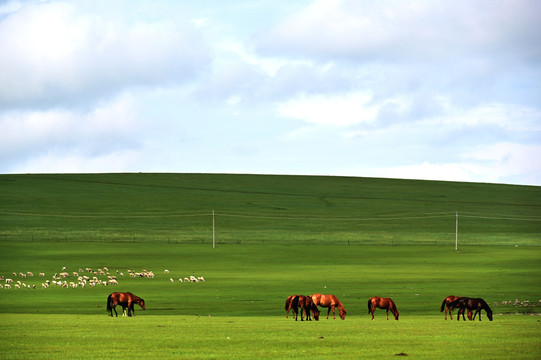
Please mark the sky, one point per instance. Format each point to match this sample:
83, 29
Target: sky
436, 90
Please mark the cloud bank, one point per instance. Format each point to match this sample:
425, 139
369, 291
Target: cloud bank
431, 89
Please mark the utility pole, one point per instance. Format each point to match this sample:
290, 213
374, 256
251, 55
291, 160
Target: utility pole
456, 233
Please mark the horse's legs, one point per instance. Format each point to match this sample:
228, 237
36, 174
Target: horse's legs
113, 307
328, 312
372, 311
461, 311
387, 313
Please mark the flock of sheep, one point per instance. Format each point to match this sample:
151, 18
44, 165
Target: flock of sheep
82, 278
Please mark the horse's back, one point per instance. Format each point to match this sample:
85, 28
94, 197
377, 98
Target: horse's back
382, 303
325, 300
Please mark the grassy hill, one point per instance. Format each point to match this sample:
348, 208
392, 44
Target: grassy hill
263, 224
264, 209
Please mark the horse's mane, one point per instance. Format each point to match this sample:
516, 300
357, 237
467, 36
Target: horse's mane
393, 307
484, 305
338, 302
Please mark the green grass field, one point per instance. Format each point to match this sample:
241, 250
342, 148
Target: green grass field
238, 311
276, 236
185, 337
265, 209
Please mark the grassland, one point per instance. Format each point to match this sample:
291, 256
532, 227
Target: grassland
276, 236
264, 209
238, 311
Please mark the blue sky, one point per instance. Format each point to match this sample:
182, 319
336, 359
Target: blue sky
443, 90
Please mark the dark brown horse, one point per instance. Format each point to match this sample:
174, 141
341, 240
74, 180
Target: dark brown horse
288, 306
305, 303
472, 304
382, 303
126, 300
445, 305
331, 302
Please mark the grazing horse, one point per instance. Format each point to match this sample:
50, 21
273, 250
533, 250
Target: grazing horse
307, 305
126, 300
294, 302
445, 305
331, 302
288, 306
471, 304
382, 303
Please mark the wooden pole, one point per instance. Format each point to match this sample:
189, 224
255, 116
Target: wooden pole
456, 232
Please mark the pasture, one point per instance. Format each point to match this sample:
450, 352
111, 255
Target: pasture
276, 236
257, 209
239, 310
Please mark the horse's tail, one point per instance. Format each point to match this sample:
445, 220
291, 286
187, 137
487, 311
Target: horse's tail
288, 301
369, 305
295, 302
443, 305
109, 301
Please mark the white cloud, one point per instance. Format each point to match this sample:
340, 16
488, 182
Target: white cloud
57, 133
56, 53
497, 163
505, 116
420, 30
75, 162
506, 160
330, 110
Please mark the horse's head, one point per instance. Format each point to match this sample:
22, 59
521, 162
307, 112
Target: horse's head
396, 315
489, 315
142, 304
343, 313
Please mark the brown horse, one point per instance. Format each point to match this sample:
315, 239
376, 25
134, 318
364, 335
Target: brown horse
307, 305
126, 300
471, 304
331, 302
288, 306
382, 303
294, 302
446, 305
